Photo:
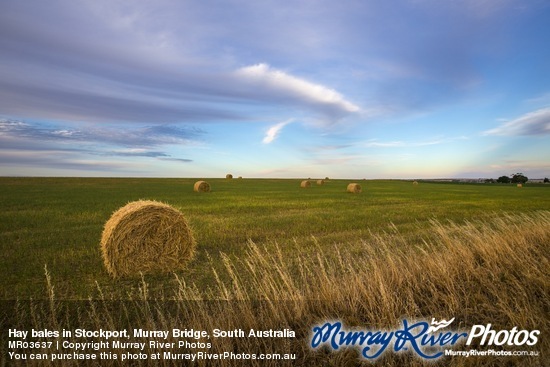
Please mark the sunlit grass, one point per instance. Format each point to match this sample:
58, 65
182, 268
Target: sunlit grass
478, 272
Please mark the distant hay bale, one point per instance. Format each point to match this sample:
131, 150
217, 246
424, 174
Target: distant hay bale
354, 188
229, 176
240, 177
415, 182
201, 186
320, 182
326, 178
305, 184
146, 237
520, 185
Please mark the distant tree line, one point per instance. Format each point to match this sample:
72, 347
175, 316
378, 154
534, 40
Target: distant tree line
515, 178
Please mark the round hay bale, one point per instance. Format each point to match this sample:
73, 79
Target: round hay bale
201, 186
305, 184
240, 177
320, 182
229, 176
146, 237
415, 182
354, 188
520, 185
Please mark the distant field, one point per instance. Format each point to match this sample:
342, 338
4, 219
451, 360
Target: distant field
57, 222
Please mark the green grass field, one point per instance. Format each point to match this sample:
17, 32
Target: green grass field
57, 222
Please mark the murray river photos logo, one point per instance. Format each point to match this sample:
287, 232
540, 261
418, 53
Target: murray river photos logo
428, 341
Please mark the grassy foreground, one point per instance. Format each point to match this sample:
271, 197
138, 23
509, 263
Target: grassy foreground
57, 223
492, 271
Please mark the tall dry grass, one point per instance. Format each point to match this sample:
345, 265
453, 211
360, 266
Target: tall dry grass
479, 272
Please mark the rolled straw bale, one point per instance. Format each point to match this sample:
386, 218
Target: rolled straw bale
415, 182
305, 184
201, 186
520, 185
229, 176
146, 237
354, 188
320, 182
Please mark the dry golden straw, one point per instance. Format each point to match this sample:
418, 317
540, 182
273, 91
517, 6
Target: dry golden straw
305, 183
146, 237
201, 186
354, 188
320, 182
520, 185
229, 176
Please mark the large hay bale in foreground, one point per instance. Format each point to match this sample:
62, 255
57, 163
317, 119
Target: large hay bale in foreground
305, 184
354, 188
201, 186
147, 237
229, 176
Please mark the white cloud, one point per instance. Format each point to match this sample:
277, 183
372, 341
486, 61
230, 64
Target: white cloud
532, 123
280, 85
274, 131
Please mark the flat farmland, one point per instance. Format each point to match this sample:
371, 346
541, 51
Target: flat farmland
55, 224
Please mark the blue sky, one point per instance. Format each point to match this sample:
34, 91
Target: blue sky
349, 89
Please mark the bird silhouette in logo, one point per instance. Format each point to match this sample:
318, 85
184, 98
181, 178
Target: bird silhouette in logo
439, 325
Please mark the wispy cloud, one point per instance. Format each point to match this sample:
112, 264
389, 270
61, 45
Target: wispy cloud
136, 153
274, 131
58, 159
121, 64
55, 145
279, 85
180, 160
533, 123
145, 136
